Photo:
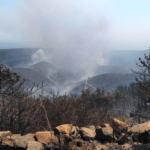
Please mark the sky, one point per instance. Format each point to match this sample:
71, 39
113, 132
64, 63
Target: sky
82, 24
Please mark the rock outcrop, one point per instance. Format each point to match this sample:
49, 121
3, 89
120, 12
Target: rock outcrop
87, 133
119, 127
48, 138
68, 137
140, 132
104, 133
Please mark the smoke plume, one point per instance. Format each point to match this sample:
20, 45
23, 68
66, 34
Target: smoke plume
39, 56
75, 36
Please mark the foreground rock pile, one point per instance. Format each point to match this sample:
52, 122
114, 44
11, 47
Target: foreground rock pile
118, 136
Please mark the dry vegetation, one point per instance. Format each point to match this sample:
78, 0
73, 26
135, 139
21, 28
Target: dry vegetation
21, 113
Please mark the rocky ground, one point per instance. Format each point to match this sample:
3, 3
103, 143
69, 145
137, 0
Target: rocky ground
118, 136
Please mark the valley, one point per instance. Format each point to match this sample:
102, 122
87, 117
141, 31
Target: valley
116, 72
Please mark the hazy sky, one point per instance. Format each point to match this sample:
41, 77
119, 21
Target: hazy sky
97, 24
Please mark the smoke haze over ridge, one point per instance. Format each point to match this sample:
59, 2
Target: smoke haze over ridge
76, 37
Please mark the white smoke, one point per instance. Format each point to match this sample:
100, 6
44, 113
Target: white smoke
39, 56
75, 36
101, 60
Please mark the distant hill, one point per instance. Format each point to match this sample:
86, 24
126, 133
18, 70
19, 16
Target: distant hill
125, 60
32, 76
63, 78
111, 69
55, 74
118, 60
107, 81
44, 68
19, 57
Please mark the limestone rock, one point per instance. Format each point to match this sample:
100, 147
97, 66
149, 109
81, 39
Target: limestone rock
34, 145
15, 136
140, 132
31, 134
23, 141
4, 134
63, 129
66, 133
105, 125
87, 133
8, 137
126, 147
140, 128
92, 127
67, 129
105, 133
7, 143
119, 127
48, 138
